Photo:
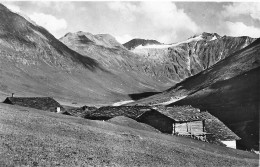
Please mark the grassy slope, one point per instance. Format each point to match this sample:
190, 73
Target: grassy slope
128, 122
33, 137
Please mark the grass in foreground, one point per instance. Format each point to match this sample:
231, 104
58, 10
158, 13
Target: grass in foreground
39, 138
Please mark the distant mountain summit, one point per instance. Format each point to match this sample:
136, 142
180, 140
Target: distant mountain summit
143, 42
207, 36
105, 40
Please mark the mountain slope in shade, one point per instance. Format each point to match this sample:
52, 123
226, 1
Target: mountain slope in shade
229, 90
34, 63
137, 42
236, 102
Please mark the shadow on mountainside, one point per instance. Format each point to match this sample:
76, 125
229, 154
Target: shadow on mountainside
138, 96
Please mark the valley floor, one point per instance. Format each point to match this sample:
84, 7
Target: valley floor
30, 137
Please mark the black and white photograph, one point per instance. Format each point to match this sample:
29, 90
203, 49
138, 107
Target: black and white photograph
129, 83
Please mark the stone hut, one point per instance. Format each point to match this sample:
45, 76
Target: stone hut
41, 103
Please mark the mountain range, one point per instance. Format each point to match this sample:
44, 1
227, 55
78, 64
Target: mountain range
208, 71
34, 62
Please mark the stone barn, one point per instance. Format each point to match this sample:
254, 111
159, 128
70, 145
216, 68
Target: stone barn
143, 114
41, 103
179, 120
157, 120
191, 122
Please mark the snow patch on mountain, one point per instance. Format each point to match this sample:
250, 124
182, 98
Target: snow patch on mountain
172, 100
214, 38
153, 46
163, 46
122, 102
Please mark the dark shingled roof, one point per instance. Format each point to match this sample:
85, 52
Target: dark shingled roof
82, 112
113, 111
41, 103
180, 113
217, 129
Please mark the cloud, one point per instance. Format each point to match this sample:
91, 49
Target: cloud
13, 8
167, 15
50, 22
243, 8
162, 19
56, 5
240, 29
125, 9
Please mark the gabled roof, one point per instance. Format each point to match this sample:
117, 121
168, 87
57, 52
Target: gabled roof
181, 113
81, 111
218, 129
41, 103
213, 125
113, 111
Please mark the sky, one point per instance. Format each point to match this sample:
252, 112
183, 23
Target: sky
166, 21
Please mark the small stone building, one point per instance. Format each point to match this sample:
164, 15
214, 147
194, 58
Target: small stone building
179, 120
189, 121
143, 114
41, 103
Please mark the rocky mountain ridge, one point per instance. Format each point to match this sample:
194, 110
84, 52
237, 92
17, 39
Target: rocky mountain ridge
184, 59
167, 64
137, 42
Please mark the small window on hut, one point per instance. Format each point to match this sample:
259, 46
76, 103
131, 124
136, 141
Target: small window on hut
58, 110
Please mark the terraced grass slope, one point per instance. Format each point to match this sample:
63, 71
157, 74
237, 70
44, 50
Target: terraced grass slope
30, 137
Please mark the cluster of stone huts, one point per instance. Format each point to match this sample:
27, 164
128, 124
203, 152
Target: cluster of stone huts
177, 120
